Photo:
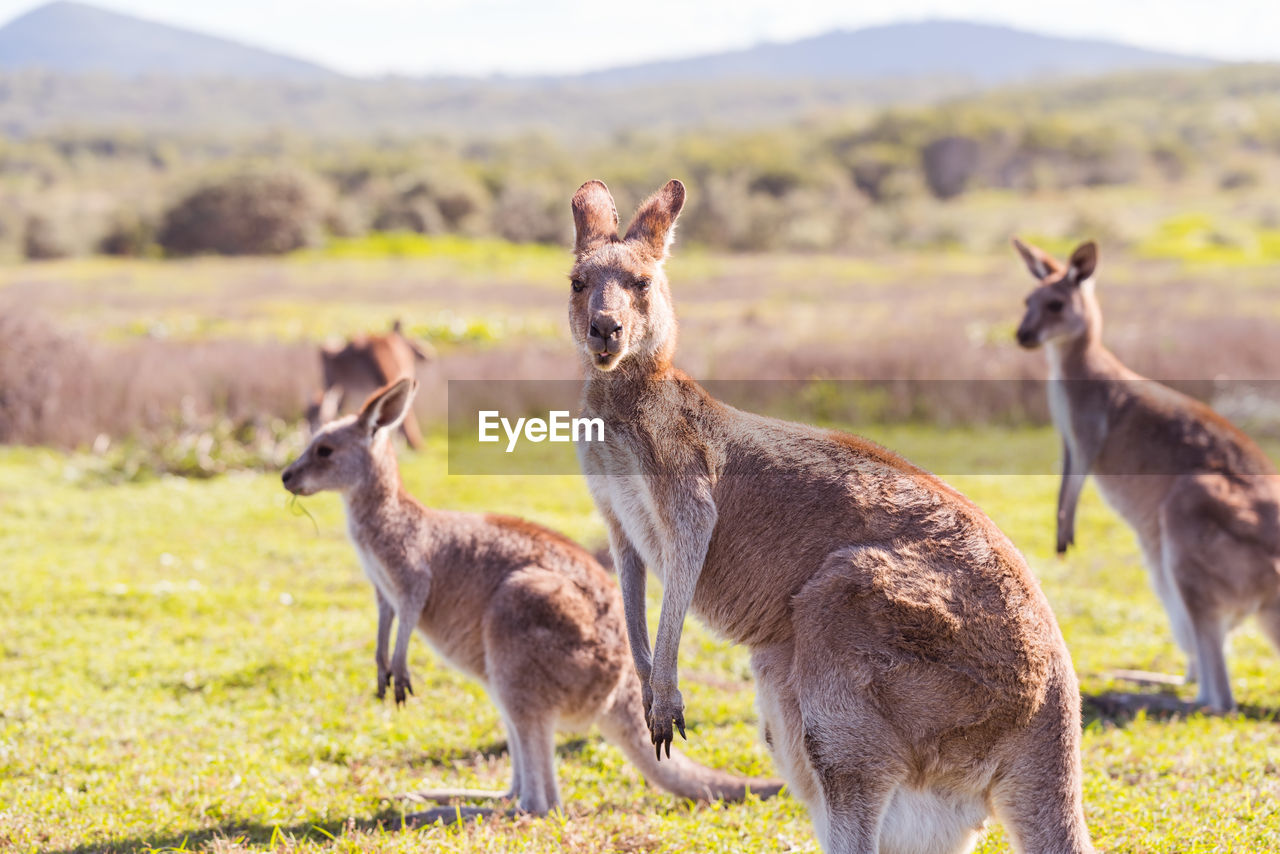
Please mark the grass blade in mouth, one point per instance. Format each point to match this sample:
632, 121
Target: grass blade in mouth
297, 508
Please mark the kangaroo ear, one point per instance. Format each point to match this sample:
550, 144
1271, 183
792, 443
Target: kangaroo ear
422, 350
595, 216
655, 222
1083, 262
1041, 264
388, 406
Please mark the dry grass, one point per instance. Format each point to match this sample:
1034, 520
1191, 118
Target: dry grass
135, 348
63, 389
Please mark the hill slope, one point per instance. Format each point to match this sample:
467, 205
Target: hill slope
982, 53
72, 38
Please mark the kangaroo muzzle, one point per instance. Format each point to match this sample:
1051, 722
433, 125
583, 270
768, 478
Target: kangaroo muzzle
604, 335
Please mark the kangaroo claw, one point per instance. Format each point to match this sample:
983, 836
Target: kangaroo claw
664, 718
403, 686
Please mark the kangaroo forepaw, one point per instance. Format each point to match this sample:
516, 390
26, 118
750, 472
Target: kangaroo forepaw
384, 681
664, 718
402, 686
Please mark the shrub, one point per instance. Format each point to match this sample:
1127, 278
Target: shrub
128, 235
531, 214
1239, 178
948, 164
256, 213
41, 240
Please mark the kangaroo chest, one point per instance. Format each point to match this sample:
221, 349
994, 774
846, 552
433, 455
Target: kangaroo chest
1060, 408
376, 571
619, 484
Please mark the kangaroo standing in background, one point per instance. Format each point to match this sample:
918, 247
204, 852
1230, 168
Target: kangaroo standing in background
1202, 498
910, 675
361, 366
518, 607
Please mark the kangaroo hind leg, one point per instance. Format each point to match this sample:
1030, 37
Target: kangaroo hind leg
1195, 551
1038, 793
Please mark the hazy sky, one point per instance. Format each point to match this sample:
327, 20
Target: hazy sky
371, 37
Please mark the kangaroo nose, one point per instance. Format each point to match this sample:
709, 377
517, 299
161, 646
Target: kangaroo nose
1026, 337
605, 327
287, 476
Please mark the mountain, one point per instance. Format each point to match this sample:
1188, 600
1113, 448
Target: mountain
981, 53
162, 78
74, 38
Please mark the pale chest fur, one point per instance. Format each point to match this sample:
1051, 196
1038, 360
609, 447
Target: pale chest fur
1069, 421
375, 570
615, 479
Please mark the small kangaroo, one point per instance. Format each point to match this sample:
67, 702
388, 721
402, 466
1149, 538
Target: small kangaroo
1202, 498
911, 678
522, 609
362, 365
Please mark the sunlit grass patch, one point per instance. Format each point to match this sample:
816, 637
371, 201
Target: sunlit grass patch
189, 662
1203, 239
478, 256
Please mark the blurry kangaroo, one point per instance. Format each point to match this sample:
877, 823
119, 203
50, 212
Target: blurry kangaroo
362, 365
911, 677
1202, 498
525, 611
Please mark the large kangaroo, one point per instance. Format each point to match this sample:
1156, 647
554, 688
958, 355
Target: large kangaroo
522, 609
911, 677
1201, 496
363, 365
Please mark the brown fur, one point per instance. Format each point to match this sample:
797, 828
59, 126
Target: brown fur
359, 367
911, 676
524, 610
1201, 496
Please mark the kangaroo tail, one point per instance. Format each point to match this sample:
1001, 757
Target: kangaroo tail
623, 724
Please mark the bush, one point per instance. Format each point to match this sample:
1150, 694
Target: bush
948, 164
247, 214
128, 236
41, 240
1239, 178
532, 214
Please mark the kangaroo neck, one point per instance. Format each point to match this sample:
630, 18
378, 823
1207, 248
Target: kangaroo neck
621, 390
380, 492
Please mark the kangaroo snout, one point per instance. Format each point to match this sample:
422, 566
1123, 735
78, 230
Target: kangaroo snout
605, 328
1027, 337
292, 482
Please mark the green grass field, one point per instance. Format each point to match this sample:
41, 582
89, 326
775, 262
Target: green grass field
189, 665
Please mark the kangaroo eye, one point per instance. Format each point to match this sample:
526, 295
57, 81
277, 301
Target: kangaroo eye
578, 285
642, 284
1054, 305
324, 451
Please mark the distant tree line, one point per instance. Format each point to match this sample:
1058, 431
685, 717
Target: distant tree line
827, 185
